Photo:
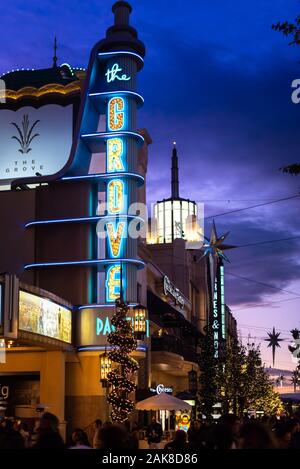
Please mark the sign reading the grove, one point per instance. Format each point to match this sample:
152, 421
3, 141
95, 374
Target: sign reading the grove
34, 140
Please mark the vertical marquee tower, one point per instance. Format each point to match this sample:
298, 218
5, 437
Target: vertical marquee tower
112, 95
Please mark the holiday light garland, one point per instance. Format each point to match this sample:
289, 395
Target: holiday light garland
123, 342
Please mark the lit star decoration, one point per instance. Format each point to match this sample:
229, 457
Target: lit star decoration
273, 340
216, 247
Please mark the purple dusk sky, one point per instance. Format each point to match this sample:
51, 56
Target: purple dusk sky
217, 80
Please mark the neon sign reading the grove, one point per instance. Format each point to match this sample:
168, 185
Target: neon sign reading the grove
121, 222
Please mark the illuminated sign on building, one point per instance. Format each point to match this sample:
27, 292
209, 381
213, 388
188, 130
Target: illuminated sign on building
113, 74
34, 140
121, 157
160, 388
104, 327
94, 324
170, 289
218, 314
115, 149
44, 317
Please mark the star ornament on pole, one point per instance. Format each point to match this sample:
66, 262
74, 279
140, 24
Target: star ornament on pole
216, 246
273, 340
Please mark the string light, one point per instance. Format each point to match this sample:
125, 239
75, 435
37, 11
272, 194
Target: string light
124, 342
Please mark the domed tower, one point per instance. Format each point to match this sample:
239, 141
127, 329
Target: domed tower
175, 217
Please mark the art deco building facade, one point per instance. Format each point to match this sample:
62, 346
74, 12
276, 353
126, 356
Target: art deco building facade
69, 143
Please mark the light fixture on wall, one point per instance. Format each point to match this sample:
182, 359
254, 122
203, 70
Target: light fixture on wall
139, 321
105, 368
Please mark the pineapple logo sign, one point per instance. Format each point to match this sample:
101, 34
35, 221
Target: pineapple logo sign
34, 141
25, 134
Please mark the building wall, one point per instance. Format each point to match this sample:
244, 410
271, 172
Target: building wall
85, 395
181, 267
17, 245
51, 367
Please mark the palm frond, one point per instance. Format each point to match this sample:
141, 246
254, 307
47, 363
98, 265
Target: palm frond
30, 132
19, 131
30, 140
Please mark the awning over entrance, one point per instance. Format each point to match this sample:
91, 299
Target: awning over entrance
163, 401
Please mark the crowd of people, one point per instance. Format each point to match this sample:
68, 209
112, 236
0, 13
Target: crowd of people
229, 432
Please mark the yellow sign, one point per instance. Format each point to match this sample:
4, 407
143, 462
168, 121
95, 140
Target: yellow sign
116, 113
42, 316
115, 152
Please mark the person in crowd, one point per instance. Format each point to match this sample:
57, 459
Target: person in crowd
255, 435
295, 439
80, 440
25, 433
283, 435
179, 444
96, 438
9, 437
223, 437
154, 434
196, 435
48, 436
234, 422
134, 436
113, 437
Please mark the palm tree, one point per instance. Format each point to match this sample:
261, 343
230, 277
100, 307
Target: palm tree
295, 378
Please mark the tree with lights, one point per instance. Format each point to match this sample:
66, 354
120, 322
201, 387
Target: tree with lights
230, 377
123, 343
243, 382
208, 377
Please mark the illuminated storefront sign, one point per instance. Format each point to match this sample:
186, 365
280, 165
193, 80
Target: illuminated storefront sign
170, 289
218, 320
44, 317
160, 388
104, 327
215, 323
113, 74
94, 324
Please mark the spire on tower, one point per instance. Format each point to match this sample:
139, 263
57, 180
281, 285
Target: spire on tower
174, 172
55, 51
